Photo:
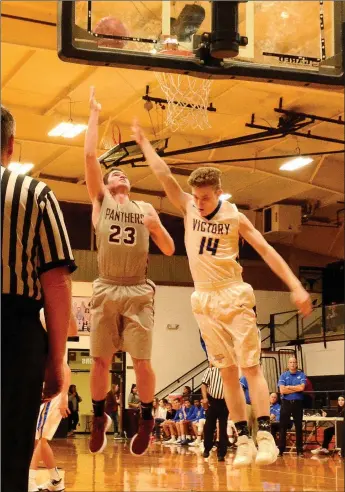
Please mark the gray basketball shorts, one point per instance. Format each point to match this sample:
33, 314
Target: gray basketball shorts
122, 319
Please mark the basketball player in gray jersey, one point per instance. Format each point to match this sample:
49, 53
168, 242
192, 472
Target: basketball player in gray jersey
222, 303
122, 302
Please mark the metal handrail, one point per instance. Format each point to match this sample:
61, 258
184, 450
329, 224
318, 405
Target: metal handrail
181, 380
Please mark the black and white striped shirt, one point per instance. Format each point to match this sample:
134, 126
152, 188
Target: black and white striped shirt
214, 382
33, 235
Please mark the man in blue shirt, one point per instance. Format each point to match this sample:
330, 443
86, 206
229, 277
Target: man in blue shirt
198, 423
274, 414
186, 424
173, 424
252, 421
291, 386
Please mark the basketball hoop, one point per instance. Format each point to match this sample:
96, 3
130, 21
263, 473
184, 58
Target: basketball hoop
187, 100
187, 97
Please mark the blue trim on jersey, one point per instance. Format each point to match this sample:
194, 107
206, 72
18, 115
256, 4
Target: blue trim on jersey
44, 414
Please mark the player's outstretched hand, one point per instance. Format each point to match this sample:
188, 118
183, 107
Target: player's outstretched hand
53, 379
151, 220
301, 299
137, 133
94, 105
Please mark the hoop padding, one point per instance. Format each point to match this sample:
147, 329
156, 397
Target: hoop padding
187, 100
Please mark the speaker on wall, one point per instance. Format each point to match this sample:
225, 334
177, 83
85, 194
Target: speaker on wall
333, 283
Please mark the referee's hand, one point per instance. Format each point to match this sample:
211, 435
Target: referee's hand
53, 379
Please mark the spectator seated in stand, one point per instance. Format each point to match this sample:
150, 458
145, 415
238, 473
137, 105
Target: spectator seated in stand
171, 412
174, 426
329, 432
159, 415
198, 423
274, 414
187, 393
186, 428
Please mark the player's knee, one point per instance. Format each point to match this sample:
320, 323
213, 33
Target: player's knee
101, 363
230, 374
142, 365
250, 372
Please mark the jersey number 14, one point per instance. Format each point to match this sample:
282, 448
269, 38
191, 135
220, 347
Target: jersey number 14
211, 246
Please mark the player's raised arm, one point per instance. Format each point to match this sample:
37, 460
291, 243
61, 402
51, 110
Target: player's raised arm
171, 187
158, 232
93, 172
298, 294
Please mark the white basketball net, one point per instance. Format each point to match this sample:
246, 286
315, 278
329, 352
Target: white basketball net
187, 100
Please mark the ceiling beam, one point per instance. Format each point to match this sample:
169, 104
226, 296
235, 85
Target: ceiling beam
48, 160
317, 169
21, 33
19, 65
67, 90
340, 231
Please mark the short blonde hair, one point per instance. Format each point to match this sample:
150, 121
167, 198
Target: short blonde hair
205, 176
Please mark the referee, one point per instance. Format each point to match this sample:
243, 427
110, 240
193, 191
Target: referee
36, 263
216, 409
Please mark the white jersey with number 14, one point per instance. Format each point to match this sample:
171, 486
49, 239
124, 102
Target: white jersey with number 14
212, 243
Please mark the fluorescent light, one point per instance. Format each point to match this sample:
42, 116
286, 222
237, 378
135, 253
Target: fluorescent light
225, 196
296, 163
67, 130
284, 15
20, 167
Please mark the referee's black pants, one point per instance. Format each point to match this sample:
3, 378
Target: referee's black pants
290, 408
217, 410
23, 356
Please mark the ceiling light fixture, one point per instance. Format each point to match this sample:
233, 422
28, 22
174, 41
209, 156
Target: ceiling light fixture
20, 167
67, 130
225, 196
296, 163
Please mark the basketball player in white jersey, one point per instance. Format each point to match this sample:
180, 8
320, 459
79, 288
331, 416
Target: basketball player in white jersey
49, 418
122, 302
222, 303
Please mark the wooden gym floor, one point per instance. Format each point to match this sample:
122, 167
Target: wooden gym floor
177, 468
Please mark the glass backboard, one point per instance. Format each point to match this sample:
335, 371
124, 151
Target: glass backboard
296, 41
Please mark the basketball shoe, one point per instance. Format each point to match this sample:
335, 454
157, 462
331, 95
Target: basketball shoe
53, 485
245, 453
140, 442
267, 449
98, 438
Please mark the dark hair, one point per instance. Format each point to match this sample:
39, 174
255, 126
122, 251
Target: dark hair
105, 180
70, 388
107, 174
189, 389
165, 401
133, 386
7, 128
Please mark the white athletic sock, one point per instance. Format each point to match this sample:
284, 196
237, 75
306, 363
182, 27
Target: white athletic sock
32, 473
54, 474
183, 437
198, 439
189, 437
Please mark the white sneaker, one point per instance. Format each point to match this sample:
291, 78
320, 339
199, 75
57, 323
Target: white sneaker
267, 449
53, 485
171, 441
194, 443
32, 487
179, 440
245, 453
320, 451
